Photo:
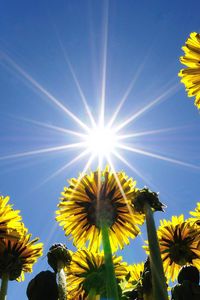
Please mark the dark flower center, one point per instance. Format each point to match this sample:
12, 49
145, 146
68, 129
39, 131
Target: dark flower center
102, 207
11, 264
180, 251
95, 279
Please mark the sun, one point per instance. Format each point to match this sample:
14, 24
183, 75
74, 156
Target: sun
101, 141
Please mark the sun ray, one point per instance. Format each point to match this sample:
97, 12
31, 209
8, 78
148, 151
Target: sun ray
40, 88
57, 128
50, 236
144, 178
163, 96
120, 187
104, 63
117, 179
129, 165
100, 162
127, 93
121, 190
148, 132
73, 161
43, 150
82, 96
86, 167
160, 157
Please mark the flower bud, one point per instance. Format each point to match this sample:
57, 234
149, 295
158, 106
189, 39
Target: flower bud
146, 196
58, 253
43, 287
190, 273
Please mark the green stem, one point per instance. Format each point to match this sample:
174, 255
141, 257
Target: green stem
158, 277
92, 294
61, 278
4, 286
111, 283
147, 296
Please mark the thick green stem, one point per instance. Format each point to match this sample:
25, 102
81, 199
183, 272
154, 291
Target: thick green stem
4, 286
92, 294
147, 296
61, 278
111, 283
158, 277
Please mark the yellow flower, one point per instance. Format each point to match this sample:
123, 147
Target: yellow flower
10, 225
136, 271
196, 214
18, 255
134, 278
98, 197
179, 245
87, 271
191, 75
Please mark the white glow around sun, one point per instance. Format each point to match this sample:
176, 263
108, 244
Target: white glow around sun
101, 141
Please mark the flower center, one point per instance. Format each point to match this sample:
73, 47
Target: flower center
12, 264
101, 208
181, 253
96, 279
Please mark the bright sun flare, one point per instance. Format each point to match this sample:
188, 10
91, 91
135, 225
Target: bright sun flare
96, 140
101, 141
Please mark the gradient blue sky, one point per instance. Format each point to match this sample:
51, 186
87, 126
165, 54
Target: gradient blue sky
38, 40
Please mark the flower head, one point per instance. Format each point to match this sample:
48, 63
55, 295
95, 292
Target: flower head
133, 279
87, 271
10, 225
179, 245
191, 75
18, 255
138, 283
196, 214
136, 271
102, 196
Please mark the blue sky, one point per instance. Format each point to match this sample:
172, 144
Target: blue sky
111, 47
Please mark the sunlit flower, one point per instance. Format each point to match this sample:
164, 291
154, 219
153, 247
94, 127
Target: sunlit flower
179, 245
135, 271
96, 197
134, 276
191, 75
18, 255
87, 271
196, 214
138, 283
10, 225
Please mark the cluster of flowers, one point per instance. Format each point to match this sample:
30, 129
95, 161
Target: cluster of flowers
18, 252
101, 212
